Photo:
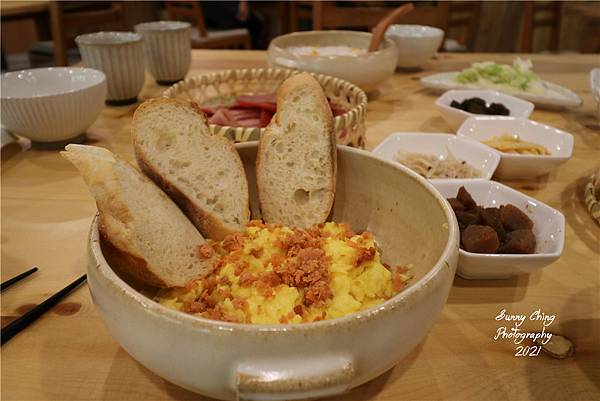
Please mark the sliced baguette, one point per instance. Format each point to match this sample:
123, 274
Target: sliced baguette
145, 234
201, 172
296, 161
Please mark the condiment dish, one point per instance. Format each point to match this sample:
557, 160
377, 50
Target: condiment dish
519, 166
473, 153
548, 228
455, 117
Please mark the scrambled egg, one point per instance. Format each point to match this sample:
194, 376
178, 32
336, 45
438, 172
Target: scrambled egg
273, 274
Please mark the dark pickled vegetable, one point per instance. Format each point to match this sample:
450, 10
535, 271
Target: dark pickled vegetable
477, 105
490, 216
506, 229
465, 198
514, 219
480, 239
519, 241
456, 205
466, 219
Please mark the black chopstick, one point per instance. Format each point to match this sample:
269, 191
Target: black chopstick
15, 327
17, 278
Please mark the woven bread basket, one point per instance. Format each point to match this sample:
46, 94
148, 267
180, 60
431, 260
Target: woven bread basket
590, 195
213, 88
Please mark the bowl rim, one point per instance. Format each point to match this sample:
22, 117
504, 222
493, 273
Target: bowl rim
390, 45
161, 26
560, 243
515, 156
446, 137
160, 311
94, 38
434, 31
92, 72
350, 118
525, 107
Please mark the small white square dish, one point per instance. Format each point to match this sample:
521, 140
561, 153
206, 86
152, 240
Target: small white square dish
548, 228
518, 166
454, 117
476, 155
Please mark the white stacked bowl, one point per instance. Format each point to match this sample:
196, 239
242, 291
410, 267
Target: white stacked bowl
52, 104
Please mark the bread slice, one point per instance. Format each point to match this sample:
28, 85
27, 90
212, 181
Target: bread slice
201, 172
296, 162
145, 233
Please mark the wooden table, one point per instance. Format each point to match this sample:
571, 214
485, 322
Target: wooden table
69, 355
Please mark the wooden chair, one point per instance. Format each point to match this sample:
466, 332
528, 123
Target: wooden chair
328, 15
456, 15
461, 16
201, 37
530, 22
68, 19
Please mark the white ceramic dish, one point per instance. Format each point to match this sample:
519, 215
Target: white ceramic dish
556, 96
416, 43
477, 155
455, 117
558, 142
412, 223
595, 85
366, 70
549, 230
52, 104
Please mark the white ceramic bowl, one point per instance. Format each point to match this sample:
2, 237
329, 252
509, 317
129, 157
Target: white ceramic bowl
367, 70
559, 143
548, 228
416, 43
412, 223
477, 155
595, 85
52, 104
120, 56
455, 117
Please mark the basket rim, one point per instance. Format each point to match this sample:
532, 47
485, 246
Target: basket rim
190, 82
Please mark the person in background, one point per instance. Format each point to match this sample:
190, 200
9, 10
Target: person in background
235, 14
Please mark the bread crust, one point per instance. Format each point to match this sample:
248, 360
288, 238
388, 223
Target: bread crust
209, 224
285, 92
126, 263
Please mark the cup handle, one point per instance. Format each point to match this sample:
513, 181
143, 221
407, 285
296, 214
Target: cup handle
292, 379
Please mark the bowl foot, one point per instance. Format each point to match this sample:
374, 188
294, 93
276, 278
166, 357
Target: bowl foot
123, 102
58, 144
168, 82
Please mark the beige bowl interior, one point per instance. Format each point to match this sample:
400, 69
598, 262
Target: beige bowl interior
412, 223
356, 39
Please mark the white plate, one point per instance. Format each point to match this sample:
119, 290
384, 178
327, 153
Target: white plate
548, 228
455, 117
555, 96
477, 155
559, 143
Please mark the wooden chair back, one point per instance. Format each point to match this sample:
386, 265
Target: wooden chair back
68, 19
190, 11
530, 22
461, 16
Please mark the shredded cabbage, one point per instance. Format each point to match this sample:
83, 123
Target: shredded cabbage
518, 77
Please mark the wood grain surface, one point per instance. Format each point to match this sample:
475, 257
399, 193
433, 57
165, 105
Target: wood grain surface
68, 354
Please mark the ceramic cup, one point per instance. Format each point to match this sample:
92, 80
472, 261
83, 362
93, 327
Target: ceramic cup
120, 56
167, 49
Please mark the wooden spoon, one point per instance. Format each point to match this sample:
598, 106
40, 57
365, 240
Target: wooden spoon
384, 24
